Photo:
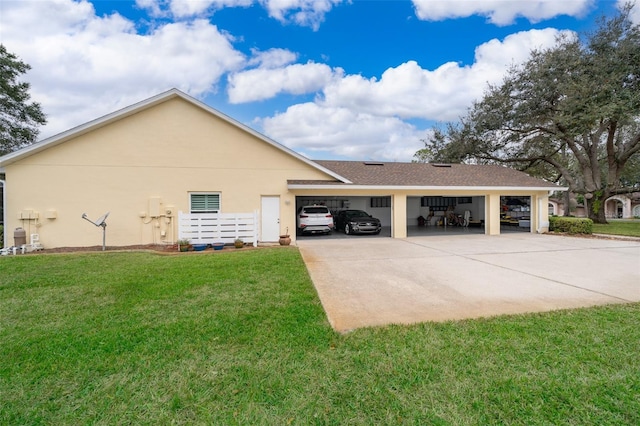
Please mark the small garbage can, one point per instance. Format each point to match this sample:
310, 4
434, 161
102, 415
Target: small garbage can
19, 237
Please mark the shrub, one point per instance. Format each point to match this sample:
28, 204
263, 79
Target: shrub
571, 225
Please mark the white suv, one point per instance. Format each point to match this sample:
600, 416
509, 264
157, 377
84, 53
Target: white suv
314, 219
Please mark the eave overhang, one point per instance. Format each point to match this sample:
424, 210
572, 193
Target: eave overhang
393, 188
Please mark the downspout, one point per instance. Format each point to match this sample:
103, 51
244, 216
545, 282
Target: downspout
4, 211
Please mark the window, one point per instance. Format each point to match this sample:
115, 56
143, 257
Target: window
205, 203
438, 203
381, 202
333, 203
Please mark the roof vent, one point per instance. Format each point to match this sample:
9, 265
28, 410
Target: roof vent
441, 165
373, 163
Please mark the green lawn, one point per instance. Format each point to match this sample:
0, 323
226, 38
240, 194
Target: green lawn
628, 227
239, 337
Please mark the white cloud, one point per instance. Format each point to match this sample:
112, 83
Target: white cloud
409, 91
153, 7
264, 83
635, 12
272, 58
307, 13
275, 74
312, 129
188, 8
500, 12
363, 117
84, 66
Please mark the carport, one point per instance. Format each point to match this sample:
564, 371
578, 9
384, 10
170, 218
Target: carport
431, 215
410, 189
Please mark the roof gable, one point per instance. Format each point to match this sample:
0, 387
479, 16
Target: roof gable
141, 106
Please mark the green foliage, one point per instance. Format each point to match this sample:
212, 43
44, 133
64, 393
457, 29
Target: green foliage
19, 118
597, 201
630, 176
241, 338
570, 225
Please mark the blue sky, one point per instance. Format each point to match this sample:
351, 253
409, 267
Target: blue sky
331, 79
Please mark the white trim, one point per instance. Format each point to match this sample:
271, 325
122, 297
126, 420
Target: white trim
4, 211
425, 188
145, 104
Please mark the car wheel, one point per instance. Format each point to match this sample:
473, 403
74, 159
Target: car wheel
347, 229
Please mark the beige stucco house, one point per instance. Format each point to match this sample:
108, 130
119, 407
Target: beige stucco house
171, 153
621, 206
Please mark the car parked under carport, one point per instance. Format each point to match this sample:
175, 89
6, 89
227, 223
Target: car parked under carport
352, 221
313, 220
376, 206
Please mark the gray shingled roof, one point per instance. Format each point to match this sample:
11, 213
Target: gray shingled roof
426, 174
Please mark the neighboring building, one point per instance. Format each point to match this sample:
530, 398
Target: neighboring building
172, 153
623, 206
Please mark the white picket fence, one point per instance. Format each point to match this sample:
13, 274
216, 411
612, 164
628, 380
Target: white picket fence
208, 228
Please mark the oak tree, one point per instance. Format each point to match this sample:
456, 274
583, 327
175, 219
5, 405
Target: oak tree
19, 118
569, 114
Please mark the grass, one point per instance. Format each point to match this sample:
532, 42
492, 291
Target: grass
628, 227
240, 337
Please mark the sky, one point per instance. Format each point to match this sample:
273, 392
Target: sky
330, 79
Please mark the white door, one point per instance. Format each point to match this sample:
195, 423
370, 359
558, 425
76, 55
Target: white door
270, 218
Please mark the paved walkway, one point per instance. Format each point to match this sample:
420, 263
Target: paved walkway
369, 282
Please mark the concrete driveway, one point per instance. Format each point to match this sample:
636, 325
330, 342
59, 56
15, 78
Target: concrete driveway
370, 282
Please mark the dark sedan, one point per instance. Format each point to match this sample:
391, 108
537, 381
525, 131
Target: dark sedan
356, 222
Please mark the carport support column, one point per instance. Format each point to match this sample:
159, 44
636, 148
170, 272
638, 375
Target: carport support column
540, 213
492, 214
399, 216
